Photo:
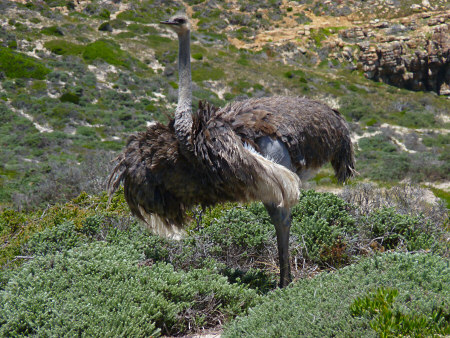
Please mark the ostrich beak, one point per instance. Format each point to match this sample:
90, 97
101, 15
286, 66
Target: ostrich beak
167, 22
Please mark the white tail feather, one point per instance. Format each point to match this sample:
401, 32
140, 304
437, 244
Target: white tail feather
276, 184
161, 227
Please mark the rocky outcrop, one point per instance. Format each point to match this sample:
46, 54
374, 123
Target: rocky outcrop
415, 63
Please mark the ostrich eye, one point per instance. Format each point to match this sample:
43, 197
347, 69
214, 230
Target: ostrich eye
180, 21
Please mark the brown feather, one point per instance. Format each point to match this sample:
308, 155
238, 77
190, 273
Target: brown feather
162, 178
313, 133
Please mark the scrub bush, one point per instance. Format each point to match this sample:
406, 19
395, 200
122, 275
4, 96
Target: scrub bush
322, 223
60, 238
17, 65
322, 306
102, 289
393, 230
63, 47
387, 321
107, 51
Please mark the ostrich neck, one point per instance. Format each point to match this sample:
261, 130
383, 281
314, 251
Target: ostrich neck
183, 113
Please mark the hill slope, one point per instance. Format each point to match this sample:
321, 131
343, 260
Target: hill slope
76, 79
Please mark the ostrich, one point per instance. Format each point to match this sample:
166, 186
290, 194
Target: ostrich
253, 150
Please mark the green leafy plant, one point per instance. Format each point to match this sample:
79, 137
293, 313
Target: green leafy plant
322, 224
323, 305
107, 51
94, 289
52, 30
390, 322
17, 65
391, 229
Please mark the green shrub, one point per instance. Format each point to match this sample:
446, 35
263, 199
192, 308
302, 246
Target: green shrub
118, 24
322, 223
87, 131
243, 227
105, 27
107, 51
141, 29
379, 159
197, 56
319, 35
60, 238
387, 321
12, 44
439, 140
70, 97
17, 65
52, 30
101, 290
104, 13
354, 107
10, 221
391, 229
378, 142
414, 119
321, 307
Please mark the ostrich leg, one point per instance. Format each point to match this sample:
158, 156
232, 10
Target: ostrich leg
281, 218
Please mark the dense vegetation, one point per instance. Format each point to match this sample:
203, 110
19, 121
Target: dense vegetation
77, 78
76, 81
86, 267
384, 296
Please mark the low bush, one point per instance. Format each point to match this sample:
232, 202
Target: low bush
322, 306
393, 230
387, 321
399, 218
322, 225
70, 97
63, 47
61, 237
107, 51
216, 272
94, 290
379, 159
52, 30
17, 65
92, 276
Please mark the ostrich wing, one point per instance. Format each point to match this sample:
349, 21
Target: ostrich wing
312, 132
235, 172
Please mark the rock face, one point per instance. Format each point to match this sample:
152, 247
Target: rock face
411, 63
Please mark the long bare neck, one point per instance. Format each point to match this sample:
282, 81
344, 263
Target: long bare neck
183, 113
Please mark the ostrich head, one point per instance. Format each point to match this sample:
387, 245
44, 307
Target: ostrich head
179, 23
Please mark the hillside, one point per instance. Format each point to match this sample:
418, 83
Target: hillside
78, 77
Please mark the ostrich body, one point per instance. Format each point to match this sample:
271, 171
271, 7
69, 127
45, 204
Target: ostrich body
257, 149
